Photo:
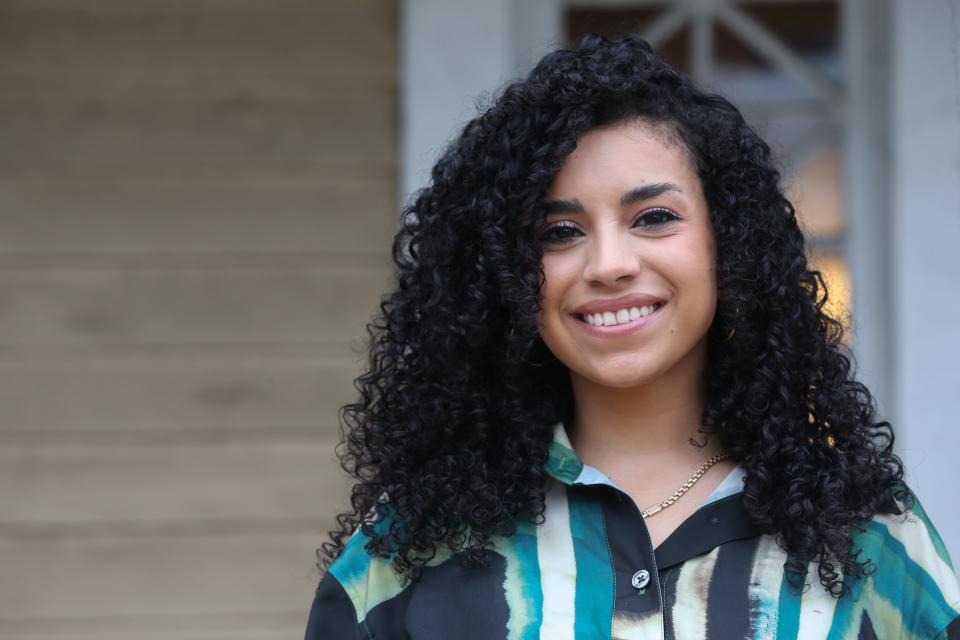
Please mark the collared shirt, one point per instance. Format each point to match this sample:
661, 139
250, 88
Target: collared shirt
590, 572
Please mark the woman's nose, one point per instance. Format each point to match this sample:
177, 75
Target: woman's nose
611, 258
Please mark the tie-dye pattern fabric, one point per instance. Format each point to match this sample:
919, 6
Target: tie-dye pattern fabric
572, 577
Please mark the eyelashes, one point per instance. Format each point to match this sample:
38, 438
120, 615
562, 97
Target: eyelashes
560, 233
565, 231
656, 217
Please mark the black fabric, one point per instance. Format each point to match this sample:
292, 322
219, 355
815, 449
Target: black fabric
332, 615
632, 551
444, 604
953, 630
728, 615
457, 602
669, 589
715, 524
866, 628
388, 620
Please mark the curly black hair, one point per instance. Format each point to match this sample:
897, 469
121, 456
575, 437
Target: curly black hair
457, 404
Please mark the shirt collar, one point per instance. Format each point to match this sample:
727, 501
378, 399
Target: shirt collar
562, 463
565, 465
721, 518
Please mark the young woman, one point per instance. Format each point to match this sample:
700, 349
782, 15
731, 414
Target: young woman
604, 400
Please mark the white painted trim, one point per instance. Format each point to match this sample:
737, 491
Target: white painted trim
451, 55
866, 165
665, 25
759, 38
642, 4
925, 236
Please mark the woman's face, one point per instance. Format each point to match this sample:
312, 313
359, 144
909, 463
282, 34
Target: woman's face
628, 258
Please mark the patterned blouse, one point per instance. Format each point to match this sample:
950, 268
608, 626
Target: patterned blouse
590, 572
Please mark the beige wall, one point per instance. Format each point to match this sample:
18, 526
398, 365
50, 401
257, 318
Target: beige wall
196, 203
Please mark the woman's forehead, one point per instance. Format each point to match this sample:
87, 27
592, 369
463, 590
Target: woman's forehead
629, 154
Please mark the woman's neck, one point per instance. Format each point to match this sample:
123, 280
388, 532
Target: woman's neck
648, 431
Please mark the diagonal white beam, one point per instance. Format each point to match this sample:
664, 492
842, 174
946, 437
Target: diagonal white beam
820, 136
702, 47
666, 24
770, 47
607, 4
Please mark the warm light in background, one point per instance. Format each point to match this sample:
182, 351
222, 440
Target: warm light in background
816, 192
837, 276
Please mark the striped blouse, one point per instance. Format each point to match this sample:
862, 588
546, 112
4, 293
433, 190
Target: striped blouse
590, 572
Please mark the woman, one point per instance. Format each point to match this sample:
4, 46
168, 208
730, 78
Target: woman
604, 400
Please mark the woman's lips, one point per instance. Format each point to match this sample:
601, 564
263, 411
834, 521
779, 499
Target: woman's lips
612, 331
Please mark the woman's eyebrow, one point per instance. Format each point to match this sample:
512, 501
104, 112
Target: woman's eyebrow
563, 206
648, 191
635, 195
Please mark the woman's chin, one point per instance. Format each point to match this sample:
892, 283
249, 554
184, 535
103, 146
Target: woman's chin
618, 378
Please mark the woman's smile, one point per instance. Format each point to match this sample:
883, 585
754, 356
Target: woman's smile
609, 318
623, 322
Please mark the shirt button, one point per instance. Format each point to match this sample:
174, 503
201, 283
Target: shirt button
640, 579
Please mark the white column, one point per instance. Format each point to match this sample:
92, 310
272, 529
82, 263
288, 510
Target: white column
867, 139
452, 53
926, 250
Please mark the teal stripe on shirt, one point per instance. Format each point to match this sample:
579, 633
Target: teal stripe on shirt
900, 581
522, 583
788, 614
926, 602
594, 595
353, 562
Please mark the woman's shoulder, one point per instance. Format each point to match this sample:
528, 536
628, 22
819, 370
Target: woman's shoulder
366, 578
362, 580
355, 582
911, 568
910, 535
365, 588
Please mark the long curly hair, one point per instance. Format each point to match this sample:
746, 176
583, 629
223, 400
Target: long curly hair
450, 432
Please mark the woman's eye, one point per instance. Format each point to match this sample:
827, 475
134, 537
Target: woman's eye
559, 234
656, 218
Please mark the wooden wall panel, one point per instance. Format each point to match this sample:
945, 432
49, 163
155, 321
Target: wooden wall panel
231, 128
151, 578
171, 396
199, 217
256, 303
189, 36
197, 201
375, 173
257, 626
100, 487
117, 86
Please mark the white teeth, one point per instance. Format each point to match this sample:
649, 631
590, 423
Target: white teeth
621, 316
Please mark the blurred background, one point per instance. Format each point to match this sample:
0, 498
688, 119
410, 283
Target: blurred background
197, 199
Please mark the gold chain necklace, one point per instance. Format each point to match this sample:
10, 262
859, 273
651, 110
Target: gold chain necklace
685, 486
